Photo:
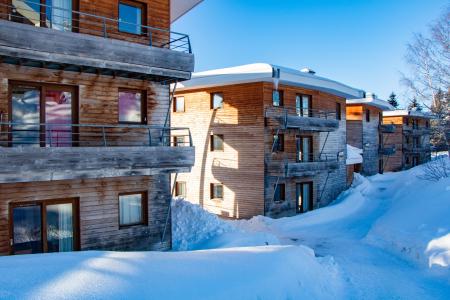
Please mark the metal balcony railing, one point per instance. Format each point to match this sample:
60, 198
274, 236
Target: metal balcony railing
387, 150
91, 135
416, 148
317, 157
416, 129
41, 15
300, 112
387, 128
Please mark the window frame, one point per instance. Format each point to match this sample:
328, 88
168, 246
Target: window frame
177, 189
282, 192
338, 111
212, 100
212, 148
299, 148
299, 187
143, 106
212, 191
300, 108
43, 210
175, 102
136, 4
144, 209
280, 142
280, 98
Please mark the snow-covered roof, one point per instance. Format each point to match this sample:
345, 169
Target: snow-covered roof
354, 155
405, 112
179, 7
263, 72
371, 100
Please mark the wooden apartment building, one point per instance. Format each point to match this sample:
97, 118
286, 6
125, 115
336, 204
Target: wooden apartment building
411, 138
85, 143
269, 140
366, 132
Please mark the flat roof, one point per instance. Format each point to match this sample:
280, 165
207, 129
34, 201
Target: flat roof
405, 112
263, 72
378, 103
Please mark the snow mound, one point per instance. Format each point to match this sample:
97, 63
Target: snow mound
417, 219
194, 228
192, 225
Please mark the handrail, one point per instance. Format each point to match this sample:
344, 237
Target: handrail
72, 20
318, 157
300, 112
93, 135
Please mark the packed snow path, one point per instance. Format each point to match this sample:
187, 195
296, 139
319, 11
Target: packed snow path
371, 272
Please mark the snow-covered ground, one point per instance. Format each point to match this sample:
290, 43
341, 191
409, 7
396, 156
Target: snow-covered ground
387, 237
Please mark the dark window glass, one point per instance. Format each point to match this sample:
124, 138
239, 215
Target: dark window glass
27, 230
278, 141
367, 115
304, 149
180, 189
130, 107
26, 112
338, 111
303, 105
216, 191
130, 18
58, 116
179, 104
280, 192
216, 100
217, 142
277, 98
131, 209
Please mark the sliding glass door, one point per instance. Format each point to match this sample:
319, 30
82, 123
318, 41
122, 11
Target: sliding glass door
304, 149
304, 193
44, 226
43, 115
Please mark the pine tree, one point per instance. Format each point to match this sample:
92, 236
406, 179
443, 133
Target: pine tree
414, 105
393, 100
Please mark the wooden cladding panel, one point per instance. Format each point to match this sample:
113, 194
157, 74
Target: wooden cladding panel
99, 210
240, 166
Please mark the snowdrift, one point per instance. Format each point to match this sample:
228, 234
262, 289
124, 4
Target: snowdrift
272, 272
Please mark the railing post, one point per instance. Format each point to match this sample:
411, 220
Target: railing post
149, 138
190, 138
104, 136
189, 44
150, 37
50, 135
104, 28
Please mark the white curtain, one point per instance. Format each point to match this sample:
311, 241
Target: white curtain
130, 209
60, 229
61, 15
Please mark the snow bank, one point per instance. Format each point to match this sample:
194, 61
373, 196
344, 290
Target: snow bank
417, 220
273, 272
193, 228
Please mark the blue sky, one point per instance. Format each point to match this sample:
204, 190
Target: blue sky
361, 43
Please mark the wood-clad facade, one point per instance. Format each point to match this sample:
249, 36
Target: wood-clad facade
411, 138
85, 137
258, 177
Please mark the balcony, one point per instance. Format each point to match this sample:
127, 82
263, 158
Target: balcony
387, 150
303, 119
75, 41
387, 128
416, 149
44, 152
308, 167
415, 130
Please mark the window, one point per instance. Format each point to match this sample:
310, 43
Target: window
367, 115
280, 192
216, 191
133, 209
132, 107
131, 17
407, 121
427, 124
338, 111
380, 118
304, 149
178, 105
277, 98
278, 141
217, 142
180, 189
179, 141
304, 192
44, 226
216, 100
303, 105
